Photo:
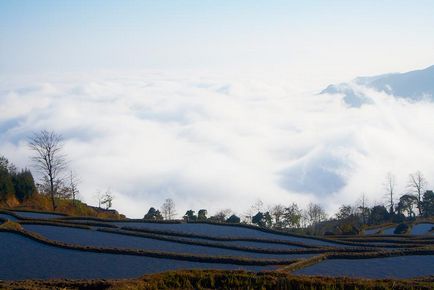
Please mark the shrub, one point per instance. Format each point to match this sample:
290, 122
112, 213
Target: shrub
233, 219
402, 228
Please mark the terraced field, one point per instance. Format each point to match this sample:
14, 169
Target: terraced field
7, 217
422, 229
37, 245
386, 267
23, 258
418, 228
212, 230
86, 237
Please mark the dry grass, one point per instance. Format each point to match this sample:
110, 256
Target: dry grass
10, 225
207, 279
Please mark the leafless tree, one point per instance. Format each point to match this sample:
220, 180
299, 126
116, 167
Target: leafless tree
390, 185
168, 209
362, 207
49, 160
107, 199
417, 184
258, 206
73, 186
221, 215
99, 196
315, 214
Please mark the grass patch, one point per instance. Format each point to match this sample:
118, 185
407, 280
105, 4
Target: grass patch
10, 225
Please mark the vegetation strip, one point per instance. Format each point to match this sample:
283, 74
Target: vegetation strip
54, 224
122, 220
304, 263
379, 227
60, 214
381, 243
62, 223
381, 254
155, 254
387, 240
223, 279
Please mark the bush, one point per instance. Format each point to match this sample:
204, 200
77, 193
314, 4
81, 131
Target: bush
402, 228
233, 219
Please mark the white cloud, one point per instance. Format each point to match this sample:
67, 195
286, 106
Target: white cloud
214, 142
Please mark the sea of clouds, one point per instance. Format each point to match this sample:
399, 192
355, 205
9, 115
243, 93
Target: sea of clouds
215, 141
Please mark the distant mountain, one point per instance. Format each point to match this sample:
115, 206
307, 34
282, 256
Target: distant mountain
413, 85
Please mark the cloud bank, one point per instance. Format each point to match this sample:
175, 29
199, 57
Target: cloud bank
213, 141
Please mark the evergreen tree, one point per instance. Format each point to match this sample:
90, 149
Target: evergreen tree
292, 216
378, 215
233, 219
6, 185
259, 219
24, 184
428, 203
190, 216
153, 214
201, 215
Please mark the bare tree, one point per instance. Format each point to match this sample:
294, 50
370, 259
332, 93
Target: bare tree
99, 196
362, 206
221, 215
107, 199
390, 185
168, 209
345, 211
315, 214
258, 206
417, 184
73, 186
48, 159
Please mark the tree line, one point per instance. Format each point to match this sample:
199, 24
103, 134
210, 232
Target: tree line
418, 201
277, 216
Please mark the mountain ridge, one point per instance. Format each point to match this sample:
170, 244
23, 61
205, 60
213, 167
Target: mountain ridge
414, 85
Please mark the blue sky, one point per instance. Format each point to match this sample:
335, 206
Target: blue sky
337, 38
